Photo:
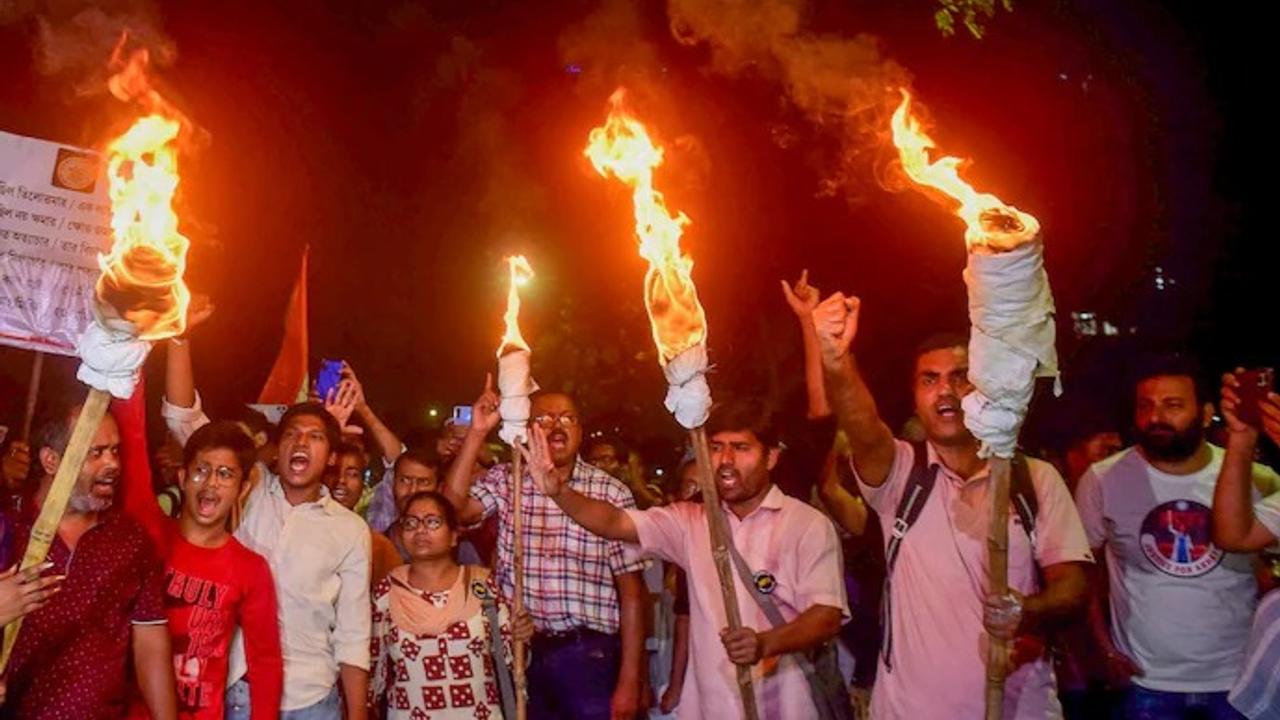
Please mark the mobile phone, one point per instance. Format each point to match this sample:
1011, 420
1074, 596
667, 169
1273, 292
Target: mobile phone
328, 378
1253, 389
462, 415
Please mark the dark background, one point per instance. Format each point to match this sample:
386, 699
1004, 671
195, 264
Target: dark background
413, 144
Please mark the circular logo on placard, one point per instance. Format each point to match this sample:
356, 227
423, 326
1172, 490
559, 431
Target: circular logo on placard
765, 582
75, 172
1176, 539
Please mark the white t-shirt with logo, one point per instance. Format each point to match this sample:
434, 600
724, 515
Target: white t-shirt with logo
1181, 608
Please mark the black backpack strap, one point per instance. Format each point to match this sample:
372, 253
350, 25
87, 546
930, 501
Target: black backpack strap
501, 666
1022, 493
826, 686
914, 496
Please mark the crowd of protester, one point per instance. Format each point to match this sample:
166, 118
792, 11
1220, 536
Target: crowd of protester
318, 567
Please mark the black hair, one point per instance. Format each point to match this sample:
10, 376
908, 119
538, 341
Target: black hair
350, 448
53, 426
447, 510
739, 414
254, 420
314, 409
426, 456
222, 434
940, 341
1171, 365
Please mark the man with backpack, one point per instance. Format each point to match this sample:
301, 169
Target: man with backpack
932, 500
786, 559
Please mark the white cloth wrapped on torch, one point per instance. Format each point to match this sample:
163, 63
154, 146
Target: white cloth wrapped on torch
1012, 342
111, 355
688, 395
515, 385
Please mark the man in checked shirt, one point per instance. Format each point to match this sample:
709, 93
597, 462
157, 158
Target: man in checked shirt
585, 594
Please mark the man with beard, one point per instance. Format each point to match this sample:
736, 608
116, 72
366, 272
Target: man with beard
792, 548
319, 553
1180, 607
71, 657
933, 502
585, 593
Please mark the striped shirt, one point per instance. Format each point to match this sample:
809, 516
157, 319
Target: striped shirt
1257, 691
568, 572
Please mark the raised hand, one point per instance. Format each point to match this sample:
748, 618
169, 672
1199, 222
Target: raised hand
537, 458
484, 412
199, 310
836, 322
341, 403
1231, 404
349, 375
802, 298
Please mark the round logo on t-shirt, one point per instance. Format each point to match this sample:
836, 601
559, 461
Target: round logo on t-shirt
1176, 539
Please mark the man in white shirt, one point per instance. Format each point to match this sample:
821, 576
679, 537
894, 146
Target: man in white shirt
319, 556
1180, 607
938, 615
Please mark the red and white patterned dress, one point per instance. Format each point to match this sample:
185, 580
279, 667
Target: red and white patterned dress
435, 677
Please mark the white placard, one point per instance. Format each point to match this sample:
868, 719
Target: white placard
54, 220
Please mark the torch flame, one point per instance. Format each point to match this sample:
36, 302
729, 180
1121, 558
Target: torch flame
142, 273
988, 220
622, 148
520, 273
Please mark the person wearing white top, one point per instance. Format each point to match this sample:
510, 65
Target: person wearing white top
319, 556
1180, 605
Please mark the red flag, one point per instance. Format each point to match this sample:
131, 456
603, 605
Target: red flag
288, 381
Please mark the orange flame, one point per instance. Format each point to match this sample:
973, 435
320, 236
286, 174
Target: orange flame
142, 273
622, 148
988, 220
520, 273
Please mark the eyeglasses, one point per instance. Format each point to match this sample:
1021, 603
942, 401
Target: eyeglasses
546, 422
206, 472
413, 523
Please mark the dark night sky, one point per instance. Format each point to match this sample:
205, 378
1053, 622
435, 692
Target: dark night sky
413, 144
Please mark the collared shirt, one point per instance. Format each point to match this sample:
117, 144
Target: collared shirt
797, 547
1256, 694
319, 553
1180, 606
569, 572
940, 582
70, 658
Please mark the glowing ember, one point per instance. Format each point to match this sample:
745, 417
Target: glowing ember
142, 274
622, 148
521, 273
988, 220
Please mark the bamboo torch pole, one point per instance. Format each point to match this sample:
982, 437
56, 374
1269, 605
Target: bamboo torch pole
33, 394
998, 564
719, 528
517, 571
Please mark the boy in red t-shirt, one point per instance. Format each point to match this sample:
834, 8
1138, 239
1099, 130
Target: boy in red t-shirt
212, 583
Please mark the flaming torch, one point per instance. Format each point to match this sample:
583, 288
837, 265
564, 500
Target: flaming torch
622, 148
140, 296
1011, 344
516, 385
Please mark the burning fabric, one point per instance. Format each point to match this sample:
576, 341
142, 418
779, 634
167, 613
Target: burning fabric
1012, 341
622, 148
515, 383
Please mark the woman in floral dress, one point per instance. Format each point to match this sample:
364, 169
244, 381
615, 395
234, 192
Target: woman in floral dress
432, 642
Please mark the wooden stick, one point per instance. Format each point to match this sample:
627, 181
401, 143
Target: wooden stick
55, 502
719, 528
517, 571
998, 565
33, 393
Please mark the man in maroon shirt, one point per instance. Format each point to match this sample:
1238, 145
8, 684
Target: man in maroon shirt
70, 659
